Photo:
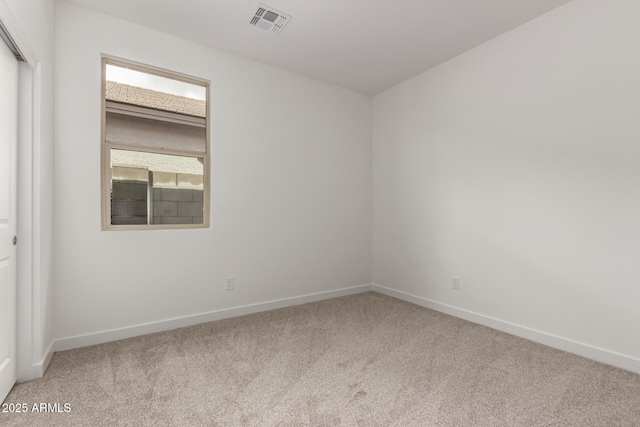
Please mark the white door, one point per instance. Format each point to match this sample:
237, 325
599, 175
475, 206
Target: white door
8, 163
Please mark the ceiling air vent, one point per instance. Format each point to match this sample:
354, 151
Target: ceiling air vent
269, 19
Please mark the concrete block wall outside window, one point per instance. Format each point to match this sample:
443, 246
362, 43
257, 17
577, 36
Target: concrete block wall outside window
179, 204
177, 200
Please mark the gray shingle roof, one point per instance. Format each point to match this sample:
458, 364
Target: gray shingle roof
149, 98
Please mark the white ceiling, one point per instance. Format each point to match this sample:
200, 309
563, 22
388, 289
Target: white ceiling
364, 45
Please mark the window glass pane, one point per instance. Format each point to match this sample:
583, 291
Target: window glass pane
155, 140
129, 195
147, 110
150, 188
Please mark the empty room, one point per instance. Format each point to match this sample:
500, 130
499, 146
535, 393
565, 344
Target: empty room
330, 213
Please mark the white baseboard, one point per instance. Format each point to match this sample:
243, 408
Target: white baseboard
38, 369
623, 361
78, 341
41, 367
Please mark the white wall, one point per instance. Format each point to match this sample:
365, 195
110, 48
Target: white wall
515, 166
31, 25
291, 189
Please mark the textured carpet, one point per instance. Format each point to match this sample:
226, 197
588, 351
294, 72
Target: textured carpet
362, 360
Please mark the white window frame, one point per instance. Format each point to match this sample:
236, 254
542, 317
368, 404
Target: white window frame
106, 148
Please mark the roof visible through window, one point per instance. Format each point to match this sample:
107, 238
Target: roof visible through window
157, 83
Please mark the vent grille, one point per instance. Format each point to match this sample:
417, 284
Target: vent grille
269, 19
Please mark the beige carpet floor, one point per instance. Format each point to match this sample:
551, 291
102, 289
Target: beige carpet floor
362, 360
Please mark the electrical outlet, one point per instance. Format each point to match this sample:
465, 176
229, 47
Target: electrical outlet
455, 283
231, 283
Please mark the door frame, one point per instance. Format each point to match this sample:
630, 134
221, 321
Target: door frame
28, 198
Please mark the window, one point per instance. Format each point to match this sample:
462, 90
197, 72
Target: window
155, 148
